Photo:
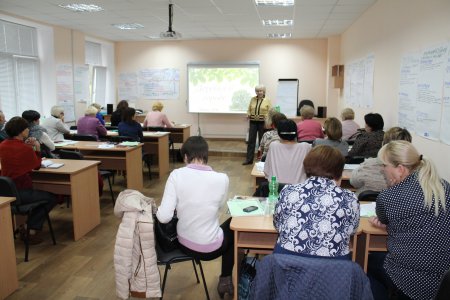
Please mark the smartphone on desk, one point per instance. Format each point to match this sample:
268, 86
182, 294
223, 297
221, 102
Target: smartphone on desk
250, 208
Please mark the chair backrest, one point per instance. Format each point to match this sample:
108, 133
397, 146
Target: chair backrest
8, 189
66, 154
122, 138
444, 288
368, 195
354, 159
111, 127
73, 127
83, 137
155, 128
302, 103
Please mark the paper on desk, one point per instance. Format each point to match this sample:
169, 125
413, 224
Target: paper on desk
65, 143
129, 144
105, 146
367, 209
47, 163
236, 207
260, 166
351, 166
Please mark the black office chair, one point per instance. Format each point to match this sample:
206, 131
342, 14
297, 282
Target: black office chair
8, 189
444, 289
171, 144
83, 137
176, 256
302, 103
354, 159
66, 154
368, 195
73, 127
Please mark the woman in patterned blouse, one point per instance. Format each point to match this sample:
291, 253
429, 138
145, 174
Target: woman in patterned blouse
369, 142
317, 217
272, 135
415, 213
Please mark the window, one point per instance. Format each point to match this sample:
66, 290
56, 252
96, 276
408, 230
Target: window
97, 72
19, 69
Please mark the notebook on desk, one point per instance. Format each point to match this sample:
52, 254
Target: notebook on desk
50, 164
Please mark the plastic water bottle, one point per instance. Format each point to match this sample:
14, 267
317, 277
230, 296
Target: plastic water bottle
273, 196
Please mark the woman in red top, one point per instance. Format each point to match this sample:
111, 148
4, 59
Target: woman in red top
19, 156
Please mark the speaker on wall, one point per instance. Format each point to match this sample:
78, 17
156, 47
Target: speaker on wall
109, 109
321, 111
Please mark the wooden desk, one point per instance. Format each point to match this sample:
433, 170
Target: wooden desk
257, 234
179, 133
127, 159
157, 144
260, 177
79, 179
371, 239
8, 271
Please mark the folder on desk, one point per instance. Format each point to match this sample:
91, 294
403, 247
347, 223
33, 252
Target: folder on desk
236, 207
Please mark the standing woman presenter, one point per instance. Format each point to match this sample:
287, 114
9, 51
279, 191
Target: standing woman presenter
257, 111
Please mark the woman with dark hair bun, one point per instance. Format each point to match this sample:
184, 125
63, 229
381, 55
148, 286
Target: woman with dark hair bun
116, 116
369, 142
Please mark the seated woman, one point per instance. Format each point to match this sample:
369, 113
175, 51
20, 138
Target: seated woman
89, 124
349, 126
19, 156
55, 126
197, 193
39, 132
333, 131
308, 129
317, 217
116, 116
415, 210
156, 118
369, 175
369, 142
285, 157
271, 135
98, 115
129, 127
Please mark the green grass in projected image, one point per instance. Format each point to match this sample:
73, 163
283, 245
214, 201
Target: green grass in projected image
221, 89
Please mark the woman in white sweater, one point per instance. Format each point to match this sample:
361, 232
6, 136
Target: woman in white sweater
197, 193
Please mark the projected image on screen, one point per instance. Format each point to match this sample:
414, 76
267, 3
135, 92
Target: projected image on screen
221, 88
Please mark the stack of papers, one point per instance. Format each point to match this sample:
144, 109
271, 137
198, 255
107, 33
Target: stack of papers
105, 146
50, 164
64, 143
236, 207
129, 144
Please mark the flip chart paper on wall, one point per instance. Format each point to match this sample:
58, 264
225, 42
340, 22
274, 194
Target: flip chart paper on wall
287, 96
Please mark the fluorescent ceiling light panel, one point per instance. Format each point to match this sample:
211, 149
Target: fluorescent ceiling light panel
80, 7
278, 22
275, 2
128, 26
279, 35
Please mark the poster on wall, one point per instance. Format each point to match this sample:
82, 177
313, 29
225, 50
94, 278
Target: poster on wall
429, 91
81, 83
159, 84
64, 91
407, 91
358, 82
445, 121
128, 86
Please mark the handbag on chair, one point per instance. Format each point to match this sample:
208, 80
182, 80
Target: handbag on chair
166, 234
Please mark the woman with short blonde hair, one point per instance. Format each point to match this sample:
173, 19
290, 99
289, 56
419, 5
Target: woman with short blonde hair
156, 118
415, 212
333, 131
349, 126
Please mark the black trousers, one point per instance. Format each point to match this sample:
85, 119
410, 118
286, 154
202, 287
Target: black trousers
256, 127
226, 250
37, 217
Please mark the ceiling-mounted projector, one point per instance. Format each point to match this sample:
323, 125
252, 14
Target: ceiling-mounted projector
170, 33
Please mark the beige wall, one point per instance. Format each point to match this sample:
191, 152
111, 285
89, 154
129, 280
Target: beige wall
390, 29
302, 59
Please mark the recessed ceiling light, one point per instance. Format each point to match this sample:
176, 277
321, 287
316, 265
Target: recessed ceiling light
79, 7
279, 35
128, 26
278, 22
275, 2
